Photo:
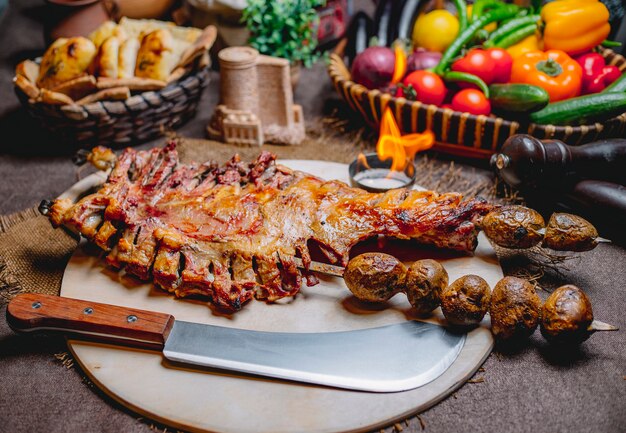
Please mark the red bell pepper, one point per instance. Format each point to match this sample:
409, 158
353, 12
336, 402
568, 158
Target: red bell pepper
596, 73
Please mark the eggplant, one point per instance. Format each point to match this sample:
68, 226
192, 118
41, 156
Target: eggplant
359, 33
603, 203
383, 23
403, 17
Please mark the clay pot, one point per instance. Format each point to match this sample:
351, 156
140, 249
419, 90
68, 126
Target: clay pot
143, 8
67, 18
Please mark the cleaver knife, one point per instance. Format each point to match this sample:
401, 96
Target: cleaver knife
384, 359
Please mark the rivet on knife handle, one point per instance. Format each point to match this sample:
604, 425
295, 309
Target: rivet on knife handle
32, 311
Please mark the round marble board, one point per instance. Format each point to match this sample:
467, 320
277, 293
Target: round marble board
200, 399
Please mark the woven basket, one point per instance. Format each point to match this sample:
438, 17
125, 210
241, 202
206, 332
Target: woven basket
460, 133
139, 118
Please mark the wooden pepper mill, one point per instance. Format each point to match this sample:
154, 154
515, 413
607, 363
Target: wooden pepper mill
527, 163
588, 180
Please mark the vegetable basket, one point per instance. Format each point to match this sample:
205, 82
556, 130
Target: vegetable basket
460, 133
139, 118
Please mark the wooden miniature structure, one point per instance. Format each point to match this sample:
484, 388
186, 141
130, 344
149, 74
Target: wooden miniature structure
256, 100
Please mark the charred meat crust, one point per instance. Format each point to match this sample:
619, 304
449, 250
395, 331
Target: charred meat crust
231, 232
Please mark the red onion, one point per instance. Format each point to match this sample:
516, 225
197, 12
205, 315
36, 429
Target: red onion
374, 67
422, 59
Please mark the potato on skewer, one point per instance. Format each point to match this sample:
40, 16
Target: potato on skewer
466, 301
514, 227
374, 277
515, 308
423, 284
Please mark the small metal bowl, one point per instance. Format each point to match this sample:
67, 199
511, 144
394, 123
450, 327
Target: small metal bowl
373, 175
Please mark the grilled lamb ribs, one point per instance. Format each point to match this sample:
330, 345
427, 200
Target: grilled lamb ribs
231, 232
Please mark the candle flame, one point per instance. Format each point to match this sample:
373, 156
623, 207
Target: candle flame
400, 148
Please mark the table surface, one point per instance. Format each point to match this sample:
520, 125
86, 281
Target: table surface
528, 388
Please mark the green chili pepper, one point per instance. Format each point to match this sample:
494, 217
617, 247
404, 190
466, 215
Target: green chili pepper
609, 44
461, 10
464, 77
498, 14
516, 36
481, 5
509, 27
480, 37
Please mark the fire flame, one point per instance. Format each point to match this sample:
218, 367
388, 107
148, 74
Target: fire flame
392, 144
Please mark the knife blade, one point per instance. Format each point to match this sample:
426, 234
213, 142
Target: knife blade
384, 359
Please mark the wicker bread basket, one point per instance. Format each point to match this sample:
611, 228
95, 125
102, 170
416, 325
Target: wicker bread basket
460, 133
119, 123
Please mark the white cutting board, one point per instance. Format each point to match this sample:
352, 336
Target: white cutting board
208, 400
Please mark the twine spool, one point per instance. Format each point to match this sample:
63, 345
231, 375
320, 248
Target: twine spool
238, 89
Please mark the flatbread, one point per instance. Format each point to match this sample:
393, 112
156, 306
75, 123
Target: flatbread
27, 86
78, 87
133, 83
28, 69
199, 47
114, 93
135, 28
54, 98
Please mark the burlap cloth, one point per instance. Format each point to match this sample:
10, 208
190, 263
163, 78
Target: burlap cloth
529, 388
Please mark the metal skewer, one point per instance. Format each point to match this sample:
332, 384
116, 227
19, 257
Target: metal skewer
323, 268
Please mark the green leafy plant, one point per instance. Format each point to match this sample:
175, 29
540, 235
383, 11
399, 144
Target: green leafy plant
284, 28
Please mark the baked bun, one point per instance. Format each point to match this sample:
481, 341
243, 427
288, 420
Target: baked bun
65, 60
156, 57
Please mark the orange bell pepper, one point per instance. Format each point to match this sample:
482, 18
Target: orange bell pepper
553, 70
574, 26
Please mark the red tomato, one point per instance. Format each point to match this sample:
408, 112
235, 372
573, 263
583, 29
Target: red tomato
479, 63
472, 101
503, 62
429, 88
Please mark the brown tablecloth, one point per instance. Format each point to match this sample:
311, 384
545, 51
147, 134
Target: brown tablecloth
531, 388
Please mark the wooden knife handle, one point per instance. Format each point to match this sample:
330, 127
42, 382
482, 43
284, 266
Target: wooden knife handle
31, 312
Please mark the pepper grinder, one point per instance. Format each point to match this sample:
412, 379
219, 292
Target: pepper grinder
527, 163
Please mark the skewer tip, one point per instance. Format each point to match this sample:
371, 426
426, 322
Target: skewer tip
44, 206
596, 325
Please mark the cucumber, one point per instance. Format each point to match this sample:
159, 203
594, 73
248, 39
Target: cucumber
518, 98
582, 110
618, 85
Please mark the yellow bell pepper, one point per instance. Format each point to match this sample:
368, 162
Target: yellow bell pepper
530, 43
574, 26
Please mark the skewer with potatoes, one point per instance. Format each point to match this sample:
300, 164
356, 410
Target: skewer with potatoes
519, 227
514, 307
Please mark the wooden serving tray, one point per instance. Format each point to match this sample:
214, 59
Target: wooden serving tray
202, 399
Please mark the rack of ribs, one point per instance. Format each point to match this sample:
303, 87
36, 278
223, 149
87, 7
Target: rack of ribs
233, 232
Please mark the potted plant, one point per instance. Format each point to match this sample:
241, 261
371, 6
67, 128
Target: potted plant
285, 28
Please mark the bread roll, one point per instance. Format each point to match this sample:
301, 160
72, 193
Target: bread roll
127, 59
156, 57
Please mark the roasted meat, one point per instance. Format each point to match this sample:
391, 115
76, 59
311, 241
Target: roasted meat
232, 232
